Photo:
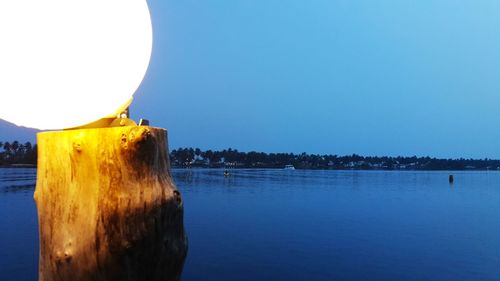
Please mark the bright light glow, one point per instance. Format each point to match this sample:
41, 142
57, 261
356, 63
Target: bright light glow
67, 63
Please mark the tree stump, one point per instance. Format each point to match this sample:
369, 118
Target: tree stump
107, 206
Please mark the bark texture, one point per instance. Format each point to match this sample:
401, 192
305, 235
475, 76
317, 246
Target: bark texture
107, 206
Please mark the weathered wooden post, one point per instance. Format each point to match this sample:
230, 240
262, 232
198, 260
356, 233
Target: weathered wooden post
107, 206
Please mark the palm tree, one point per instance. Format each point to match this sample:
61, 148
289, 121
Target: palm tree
7, 147
15, 147
21, 151
27, 147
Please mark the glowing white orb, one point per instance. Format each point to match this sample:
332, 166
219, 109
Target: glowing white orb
67, 63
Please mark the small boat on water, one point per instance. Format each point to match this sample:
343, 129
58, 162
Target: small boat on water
289, 167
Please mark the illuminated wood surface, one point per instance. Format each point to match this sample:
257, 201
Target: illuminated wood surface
107, 206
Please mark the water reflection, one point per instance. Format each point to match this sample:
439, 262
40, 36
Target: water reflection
17, 180
18, 225
340, 225
307, 225
18, 188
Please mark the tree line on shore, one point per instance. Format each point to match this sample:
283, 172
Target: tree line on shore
16, 153
195, 157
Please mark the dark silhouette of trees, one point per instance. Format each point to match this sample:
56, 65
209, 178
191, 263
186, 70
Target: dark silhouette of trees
16, 153
197, 152
188, 157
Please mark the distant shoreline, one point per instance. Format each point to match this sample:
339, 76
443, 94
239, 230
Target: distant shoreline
18, 155
29, 166
231, 158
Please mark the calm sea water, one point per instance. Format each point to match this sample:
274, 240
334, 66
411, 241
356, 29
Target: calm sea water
307, 225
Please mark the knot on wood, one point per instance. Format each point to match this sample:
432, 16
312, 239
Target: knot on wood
124, 142
65, 256
140, 144
77, 146
77, 142
177, 197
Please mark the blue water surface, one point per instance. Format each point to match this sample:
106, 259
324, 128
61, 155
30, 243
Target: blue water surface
307, 225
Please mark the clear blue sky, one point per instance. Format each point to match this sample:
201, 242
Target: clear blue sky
368, 77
